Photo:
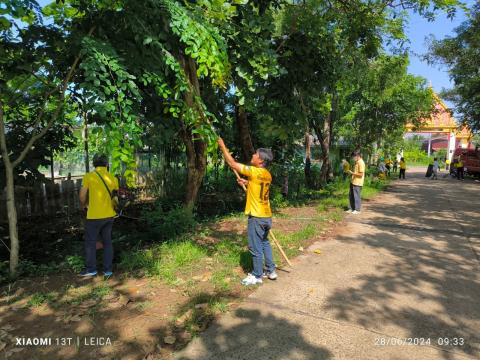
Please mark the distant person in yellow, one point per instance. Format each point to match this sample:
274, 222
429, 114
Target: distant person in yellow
447, 163
388, 165
96, 196
395, 165
356, 183
460, 170
345, 168
258, 210
403, 168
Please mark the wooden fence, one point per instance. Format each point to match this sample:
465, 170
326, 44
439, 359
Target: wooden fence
49, 199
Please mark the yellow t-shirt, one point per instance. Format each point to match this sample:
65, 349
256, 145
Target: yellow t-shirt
447, 162
359, 167
460, 162
258, 190
99, 201
346, 167
403, 165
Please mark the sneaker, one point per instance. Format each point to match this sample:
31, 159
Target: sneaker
251, 280
355, 212
349, 211
86, 273
107, 274
271, 275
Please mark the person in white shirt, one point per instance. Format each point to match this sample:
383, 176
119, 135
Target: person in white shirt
436, 168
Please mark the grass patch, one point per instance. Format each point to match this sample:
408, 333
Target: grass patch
38, 299
167, 260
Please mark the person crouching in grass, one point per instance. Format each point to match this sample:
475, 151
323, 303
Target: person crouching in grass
258, 209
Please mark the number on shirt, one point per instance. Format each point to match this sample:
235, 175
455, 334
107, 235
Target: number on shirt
264, 191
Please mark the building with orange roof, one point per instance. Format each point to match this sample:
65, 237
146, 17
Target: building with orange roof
441, 131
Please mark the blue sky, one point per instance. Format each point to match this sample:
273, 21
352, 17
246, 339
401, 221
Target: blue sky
417, 31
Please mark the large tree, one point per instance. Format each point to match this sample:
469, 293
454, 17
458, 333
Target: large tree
35, 72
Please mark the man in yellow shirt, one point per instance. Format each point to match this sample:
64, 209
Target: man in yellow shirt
460, 169
356, 183
96, 194
258, 209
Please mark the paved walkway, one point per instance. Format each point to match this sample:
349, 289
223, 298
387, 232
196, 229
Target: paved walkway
404, 270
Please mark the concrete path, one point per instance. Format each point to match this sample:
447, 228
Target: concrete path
399, 281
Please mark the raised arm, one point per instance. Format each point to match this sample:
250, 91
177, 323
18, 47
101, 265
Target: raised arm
228, 157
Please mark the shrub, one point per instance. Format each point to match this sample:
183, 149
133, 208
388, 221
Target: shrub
169, 224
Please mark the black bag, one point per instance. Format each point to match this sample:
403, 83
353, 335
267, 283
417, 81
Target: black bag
429, 171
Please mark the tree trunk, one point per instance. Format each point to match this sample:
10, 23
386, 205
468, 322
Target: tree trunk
308, 163
244, 133
196, 151
52, 170
12, 219
325, 145
85, 143
196, 148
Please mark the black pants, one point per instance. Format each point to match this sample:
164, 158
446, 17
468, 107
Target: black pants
355, 198
402, 174
460, 173
94, 228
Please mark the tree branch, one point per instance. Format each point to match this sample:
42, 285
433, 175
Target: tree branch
54, 117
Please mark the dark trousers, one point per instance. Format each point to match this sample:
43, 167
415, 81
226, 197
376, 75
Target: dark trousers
258, 244
460, 173
402, 174
94, 228
355, 199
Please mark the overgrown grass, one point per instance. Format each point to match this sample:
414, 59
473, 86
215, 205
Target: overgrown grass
167, 260
182, 261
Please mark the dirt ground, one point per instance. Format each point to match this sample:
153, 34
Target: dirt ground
130, 318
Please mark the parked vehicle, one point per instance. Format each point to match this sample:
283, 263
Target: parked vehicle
471, 161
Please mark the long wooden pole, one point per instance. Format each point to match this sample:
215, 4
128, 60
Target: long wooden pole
275, 241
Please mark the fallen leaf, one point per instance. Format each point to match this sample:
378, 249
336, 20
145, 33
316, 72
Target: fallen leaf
88, 304
182, 319
14, 350
7, 327
76, 318
201, 306
123, 300
317, 251
207, 276
2, 345
300, 248
110, 296
170, 340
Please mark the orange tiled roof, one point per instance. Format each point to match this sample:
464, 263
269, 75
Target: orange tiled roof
463, 132
440, 120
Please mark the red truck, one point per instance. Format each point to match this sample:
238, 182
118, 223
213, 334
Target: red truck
471, 161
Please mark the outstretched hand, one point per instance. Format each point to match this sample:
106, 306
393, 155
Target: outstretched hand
220, 142
242, 182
